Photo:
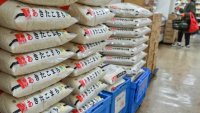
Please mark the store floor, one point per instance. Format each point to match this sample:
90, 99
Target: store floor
176, 89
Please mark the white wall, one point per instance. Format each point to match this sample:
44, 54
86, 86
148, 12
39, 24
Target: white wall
163, 7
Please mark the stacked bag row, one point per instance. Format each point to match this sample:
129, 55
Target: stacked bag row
87, 76
125, 49
34, 46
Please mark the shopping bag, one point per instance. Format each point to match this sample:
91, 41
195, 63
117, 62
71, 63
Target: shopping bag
194, 27
180, 25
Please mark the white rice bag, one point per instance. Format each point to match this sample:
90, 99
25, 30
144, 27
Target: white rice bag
95, 2
129, 10
50, 2
112, 88
85, 65
59, 108
87, 34
129, 22
114, 73
21, 17
126, 42
130, 32
133, 70
90, 16
122, 51
80, 100
31, 62
31, 83
88, 105
83, 82
35, 103
133, 77
21, 42
83, 51
126, 61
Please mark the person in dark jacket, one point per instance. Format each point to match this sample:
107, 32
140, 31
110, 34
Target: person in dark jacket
190, 7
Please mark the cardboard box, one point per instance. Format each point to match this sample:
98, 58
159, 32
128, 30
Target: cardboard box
172, 16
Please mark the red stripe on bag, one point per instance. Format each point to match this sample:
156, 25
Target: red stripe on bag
22, 107
2, 1
21, 60
21, 38
26, 12
22, 82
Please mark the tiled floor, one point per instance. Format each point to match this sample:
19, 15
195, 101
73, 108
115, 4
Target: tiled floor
176, 89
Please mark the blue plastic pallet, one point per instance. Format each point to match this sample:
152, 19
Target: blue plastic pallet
103, 106
120, 97
138, 90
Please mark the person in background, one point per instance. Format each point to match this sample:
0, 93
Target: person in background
185, 13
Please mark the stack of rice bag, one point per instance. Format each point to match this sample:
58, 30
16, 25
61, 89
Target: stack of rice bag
32, 40
90, 39
128, 42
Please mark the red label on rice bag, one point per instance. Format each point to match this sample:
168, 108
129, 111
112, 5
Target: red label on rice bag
80, 98
22, 107
22, 82
21, 60
21, 38
79, 65
2, 1
88, 31
81, 48
82, 82
26, 12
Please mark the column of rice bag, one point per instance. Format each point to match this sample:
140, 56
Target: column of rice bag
125, 47
90, 39
32, 42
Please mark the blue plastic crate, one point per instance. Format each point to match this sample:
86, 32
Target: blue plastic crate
120, 97
103, 106
138, 90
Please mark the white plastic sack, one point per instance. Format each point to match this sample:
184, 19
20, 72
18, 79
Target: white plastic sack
80, 100
129, 22
31, 83
112, 88
83, 82
129, 10
114, 73
22, 17
21, 42
59, 108
90, 16
85, 65
123, 51
87, 34
133, 70
35, 103
88, 105
126, 42
134, 77
95, 2
126, 61
83, 51
130, 32
31, 62
50, 2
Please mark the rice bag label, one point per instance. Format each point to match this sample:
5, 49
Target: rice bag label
89, 78
31, 13
95, 31
36, 56
86, 47
37, 77
86, 62
22, 38
97, 12
38, 99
